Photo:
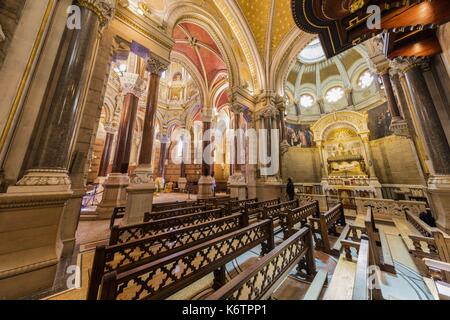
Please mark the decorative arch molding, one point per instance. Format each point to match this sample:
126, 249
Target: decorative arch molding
242, 32
191, 12
351, 119
286, 56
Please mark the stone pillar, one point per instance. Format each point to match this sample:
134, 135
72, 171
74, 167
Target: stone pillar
237, 182
392, 103
30, 211
182, 181
106, 155
114, 194
205, 183
140, 192
163, 156
435, 140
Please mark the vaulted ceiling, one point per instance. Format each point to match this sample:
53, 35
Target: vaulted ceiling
269, 21
200, 49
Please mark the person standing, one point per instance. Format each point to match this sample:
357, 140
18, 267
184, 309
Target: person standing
290, 189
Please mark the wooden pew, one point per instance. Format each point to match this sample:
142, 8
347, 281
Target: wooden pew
326, 223
162, 278
254, 209
125, 256
429, 242
239, 205
379, 247
273, 212
118, 213
152, 216
440, 272
367, 256
298, 215
164, 206
138, 231
261, 280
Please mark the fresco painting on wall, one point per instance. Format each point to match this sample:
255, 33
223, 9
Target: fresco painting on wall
300, 136
379, 122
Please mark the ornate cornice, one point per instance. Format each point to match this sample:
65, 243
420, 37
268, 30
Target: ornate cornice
104, 9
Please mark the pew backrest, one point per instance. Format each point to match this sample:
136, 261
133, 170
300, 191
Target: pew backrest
259, 281
164, 206
125, 256
325, 222
255, 208
273, 212
292, 217
162, 278
152, 216
146, 229
118, 213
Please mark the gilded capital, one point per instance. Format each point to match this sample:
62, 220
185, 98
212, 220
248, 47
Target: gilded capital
132, 83
156, 65
104, 9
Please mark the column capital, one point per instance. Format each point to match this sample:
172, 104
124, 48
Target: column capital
132, 83
104, 9
237, 108
408, 63
207, 115
109, 128
156, 65
382, 68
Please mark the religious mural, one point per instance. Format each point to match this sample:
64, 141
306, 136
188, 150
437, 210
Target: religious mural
300, 136
379, 122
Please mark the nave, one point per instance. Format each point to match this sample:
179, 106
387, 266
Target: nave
258, 250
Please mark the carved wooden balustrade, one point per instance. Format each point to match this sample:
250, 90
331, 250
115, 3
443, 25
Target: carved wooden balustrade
152, 216
259, 281
308, 198
254, 209
273, 212
386, 209
162, 278
326, 223
292, 217
131, 254
152, 228
425, 246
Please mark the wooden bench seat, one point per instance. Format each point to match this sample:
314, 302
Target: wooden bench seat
162, 278
342, 282
315, 290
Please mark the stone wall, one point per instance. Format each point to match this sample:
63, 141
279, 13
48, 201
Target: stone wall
395, 162
10, 12
302, 165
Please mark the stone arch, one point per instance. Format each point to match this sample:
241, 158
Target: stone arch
350, 119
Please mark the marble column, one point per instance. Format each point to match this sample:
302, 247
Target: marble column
142, 186
163, 156
30, 211
435, 140
237, 182
205, 183
114, 194
392, 103
106, 155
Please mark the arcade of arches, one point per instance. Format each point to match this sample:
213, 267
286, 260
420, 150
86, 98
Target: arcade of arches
106, 125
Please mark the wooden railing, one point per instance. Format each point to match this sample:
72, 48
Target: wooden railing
152, 216
254, 209
118, 213
162, 278
259, 281
427, 240
239, 205
326, 223
152, 228
132, 254
292, 217
156, 207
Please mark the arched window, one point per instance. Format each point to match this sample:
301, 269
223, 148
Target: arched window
334, 94
365, 80
306, 100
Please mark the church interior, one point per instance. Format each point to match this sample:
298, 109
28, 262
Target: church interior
224, 150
